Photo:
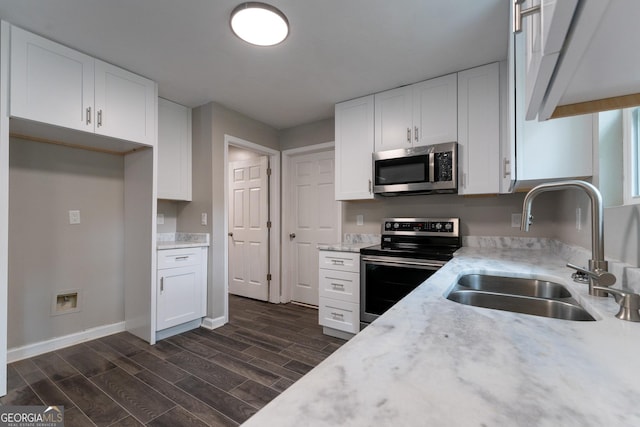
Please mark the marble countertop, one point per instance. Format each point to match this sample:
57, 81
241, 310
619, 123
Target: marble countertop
343, 247
431, 361
181, 240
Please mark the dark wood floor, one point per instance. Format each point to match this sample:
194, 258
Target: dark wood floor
199, 378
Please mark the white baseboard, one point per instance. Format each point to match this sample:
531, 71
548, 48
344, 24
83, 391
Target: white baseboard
31, 350
209, 323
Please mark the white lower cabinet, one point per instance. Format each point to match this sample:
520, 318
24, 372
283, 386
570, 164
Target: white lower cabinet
339, 287
181, 287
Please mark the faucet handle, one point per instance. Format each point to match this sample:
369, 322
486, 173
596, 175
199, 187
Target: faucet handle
603, 277
629, 303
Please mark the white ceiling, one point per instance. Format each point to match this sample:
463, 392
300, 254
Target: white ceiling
336, 50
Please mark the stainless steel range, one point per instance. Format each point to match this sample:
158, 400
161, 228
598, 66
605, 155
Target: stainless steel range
411, 251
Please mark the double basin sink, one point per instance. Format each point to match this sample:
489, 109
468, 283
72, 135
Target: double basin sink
519, 295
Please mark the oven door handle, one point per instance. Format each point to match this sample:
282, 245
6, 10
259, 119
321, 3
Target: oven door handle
401, 262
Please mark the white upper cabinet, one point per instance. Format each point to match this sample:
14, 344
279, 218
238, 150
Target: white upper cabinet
535, 151
174, 151
435, 113
56, 85
420, 114
479, 130
50, 83
586, 60
354, 149
125, 104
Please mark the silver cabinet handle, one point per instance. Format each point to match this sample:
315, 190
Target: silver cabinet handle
409, 135
88, 115
370, 189
162, 284
337, 285
415, 133
337, 262
519, 14
99, 118
337, 315
505, 165
182, 258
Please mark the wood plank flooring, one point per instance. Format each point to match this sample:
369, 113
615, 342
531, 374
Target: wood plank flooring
199, 378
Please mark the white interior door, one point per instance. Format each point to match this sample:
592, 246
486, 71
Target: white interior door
315, 218
248, 232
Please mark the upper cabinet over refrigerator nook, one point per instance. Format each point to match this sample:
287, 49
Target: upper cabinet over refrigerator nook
580, 56
424, 113
56, 85
174, 151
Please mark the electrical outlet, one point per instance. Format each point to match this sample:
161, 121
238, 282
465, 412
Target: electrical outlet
160, 219
74, 217
203, 218
359, 219
516, 220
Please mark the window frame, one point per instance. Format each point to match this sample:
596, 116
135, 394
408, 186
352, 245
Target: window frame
631, 150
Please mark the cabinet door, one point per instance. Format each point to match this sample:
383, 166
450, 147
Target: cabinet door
479, 130
50, 83
435, 111
174, 151
125, 104
544, 151
393, 119
545, 35
354, 149
180, 296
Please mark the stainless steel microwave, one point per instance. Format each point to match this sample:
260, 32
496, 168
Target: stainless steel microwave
417, 170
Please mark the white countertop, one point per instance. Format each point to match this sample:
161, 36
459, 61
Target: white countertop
344, 247
181, 240
431, 361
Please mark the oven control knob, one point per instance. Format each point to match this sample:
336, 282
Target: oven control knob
387, 225
447, 226
438, 225
396, 225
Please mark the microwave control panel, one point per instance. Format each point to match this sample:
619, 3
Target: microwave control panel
443, 165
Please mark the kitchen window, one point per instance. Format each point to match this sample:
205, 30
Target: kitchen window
631, 137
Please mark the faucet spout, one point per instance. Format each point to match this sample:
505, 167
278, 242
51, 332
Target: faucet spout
597, 262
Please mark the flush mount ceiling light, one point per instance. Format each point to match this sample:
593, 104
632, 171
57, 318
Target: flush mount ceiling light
259, 24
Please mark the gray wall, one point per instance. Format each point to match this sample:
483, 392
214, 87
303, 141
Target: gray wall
308, 134
47, 255
210, 124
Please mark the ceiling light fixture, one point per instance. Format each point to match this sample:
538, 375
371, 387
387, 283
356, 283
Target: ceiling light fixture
259, 24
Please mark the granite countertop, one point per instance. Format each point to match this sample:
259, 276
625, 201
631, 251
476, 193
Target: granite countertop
181, 240
431, 361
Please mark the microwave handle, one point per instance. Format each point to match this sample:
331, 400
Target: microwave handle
432, 167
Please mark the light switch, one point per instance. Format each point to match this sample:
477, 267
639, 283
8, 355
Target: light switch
359, 219
203, 218
74, 217
160, 219
516, 220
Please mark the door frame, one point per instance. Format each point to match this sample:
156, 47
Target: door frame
274, 212
287, 256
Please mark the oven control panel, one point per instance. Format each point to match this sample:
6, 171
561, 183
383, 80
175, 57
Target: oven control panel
421, 226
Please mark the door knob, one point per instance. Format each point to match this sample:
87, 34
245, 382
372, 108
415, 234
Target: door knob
292, 235
230, 234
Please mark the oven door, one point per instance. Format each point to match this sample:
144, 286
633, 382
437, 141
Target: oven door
386, 280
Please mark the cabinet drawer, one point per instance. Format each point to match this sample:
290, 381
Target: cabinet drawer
341, 285
340, 315
343, 261
172, 258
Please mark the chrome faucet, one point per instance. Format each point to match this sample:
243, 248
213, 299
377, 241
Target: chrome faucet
597, 271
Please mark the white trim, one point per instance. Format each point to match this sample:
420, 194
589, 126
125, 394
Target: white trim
630, 172
287, 155
31, 350
211, 323
274, 207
